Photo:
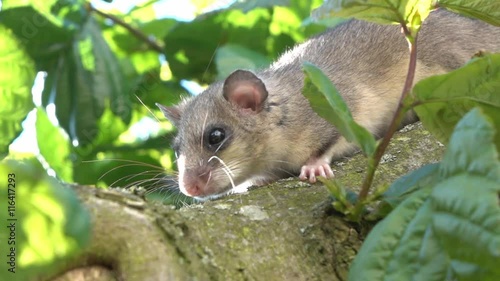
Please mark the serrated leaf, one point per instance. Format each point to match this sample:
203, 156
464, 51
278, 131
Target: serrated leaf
18, 74
486, 10
410, 12
326, 101
230, 57
471, 167
54, 146
471, 148
466, 213
444, 99
449, 229
391, 250
62, 224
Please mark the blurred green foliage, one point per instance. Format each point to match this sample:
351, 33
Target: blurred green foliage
47, 225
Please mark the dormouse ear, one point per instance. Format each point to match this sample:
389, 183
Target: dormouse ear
245, 90
172, 113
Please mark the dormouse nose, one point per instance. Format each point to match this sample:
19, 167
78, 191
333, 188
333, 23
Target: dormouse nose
196, 181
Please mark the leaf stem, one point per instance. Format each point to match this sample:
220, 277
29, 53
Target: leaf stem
396, 121
134, 31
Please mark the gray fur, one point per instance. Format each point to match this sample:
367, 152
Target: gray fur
367, 63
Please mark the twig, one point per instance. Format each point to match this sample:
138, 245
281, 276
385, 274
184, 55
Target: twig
396, 121
137, 33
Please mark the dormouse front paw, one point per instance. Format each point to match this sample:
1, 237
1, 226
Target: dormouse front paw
315, 167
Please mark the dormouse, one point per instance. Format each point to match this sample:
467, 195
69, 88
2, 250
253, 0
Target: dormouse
256, 127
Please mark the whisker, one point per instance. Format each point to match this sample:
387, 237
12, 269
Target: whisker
166, 185
165, 182
119, 167
229, 176
151, 112
211, 59
203, 130
287, 172
130, 177
220, 145
137, 182
280, 161
222, 163
208, 181
124, 160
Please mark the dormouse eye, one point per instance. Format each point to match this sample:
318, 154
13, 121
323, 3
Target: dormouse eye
216, 136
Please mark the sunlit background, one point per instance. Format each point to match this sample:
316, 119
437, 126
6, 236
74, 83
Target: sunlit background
179, 10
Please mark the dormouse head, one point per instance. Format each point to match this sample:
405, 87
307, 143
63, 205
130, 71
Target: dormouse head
216, 135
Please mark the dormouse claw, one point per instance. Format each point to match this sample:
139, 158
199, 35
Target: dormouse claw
316, 168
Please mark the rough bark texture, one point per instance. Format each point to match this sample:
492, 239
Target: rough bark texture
284, 231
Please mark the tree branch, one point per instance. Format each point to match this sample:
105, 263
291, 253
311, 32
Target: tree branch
134, 31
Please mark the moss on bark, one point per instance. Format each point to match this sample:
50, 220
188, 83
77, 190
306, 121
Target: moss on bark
284, 231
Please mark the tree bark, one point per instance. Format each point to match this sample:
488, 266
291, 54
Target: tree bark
287, 230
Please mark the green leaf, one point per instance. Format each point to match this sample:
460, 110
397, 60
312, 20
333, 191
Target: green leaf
190, 47
110, 128
144, 11
17, 75
38, 202
145, 62
58, 83
152, 90
45, 28
230, 57
84, 80
403, 187
448, 229
110, 88
247, 6
443, 100
54, 146
410, 12
392, 249
326, 101
471, 148
465, 204
406, 183
124, 44
486, 10
158, 28
339, 193
63, 13
466, 213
